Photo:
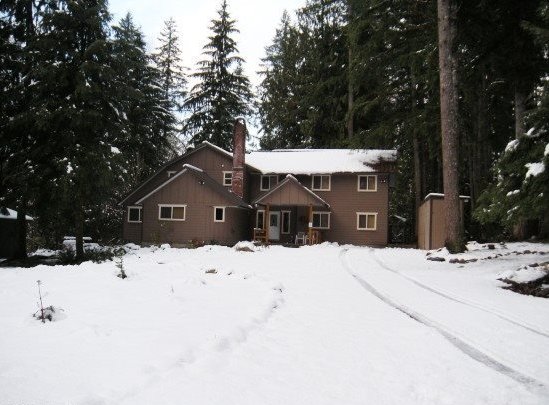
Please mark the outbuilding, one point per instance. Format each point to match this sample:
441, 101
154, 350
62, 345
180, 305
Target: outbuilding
432, 221
8, 231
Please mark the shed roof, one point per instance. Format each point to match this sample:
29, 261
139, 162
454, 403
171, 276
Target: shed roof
7, 213
291, 192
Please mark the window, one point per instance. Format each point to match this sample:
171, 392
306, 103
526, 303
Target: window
219, 214
174, 212
268, 182
134, 214
227, 178
171, 173
366, 221
260, 219
285, 222
367, 183
321, 182
321, 220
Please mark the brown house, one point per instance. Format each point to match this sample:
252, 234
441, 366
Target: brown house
304, 195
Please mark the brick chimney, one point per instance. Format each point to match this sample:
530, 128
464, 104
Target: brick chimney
239, 151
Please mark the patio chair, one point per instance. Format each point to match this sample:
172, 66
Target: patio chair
301, 238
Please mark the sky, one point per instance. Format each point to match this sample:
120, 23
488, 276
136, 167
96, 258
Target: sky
257, 21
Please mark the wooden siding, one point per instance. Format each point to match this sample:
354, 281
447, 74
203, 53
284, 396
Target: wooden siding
345, 201
432, 223
211, 161
199, 221
290, 193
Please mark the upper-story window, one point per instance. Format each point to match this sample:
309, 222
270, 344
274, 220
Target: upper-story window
227, 178
367, 182
268, 181
321, 182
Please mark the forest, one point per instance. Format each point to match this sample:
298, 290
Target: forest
87, 112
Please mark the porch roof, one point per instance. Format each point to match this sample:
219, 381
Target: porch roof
291, 192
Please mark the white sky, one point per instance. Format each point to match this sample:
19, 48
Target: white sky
257, 21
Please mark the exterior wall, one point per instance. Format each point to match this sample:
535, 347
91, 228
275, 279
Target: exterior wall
8, 237
424, 226
345, 201
209, 160
199, 216
432, 223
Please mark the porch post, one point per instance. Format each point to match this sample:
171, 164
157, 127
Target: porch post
267, 223
310, 224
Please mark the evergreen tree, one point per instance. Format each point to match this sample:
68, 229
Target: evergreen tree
222, 92
79, 103
148, 116
280, 103
169, 61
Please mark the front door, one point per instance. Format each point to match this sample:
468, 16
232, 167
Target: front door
274, 225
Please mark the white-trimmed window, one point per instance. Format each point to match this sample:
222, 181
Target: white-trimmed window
285, 228
260, 219
321, 182
227, 178
219, 214
366, 221
367, 182
268, 182
172, 212
134, 214
171, 173
321, 220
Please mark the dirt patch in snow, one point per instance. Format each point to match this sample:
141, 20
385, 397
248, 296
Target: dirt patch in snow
529, 280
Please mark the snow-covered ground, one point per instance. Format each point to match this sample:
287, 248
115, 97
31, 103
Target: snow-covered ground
316, 325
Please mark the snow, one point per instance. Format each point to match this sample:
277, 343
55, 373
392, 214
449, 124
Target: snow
534, 169
188, 166
431, 195
12, 214
511, 146
115, 150
324, 324
546, 152
313, 161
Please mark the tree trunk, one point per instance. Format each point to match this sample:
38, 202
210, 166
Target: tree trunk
79, 227
21, 235
447, 13
350, 100
520, 109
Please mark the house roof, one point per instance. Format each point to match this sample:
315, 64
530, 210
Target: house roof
291, 192
313, 161
208, 181
204, 144
440, 195
7, 213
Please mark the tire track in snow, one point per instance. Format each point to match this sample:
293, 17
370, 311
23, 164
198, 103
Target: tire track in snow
459, 299
465, 347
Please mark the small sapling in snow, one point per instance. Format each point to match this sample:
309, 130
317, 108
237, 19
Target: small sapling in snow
48, 313
119, 260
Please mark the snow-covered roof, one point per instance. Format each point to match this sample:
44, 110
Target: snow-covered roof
310, 161
7, 213
440, 195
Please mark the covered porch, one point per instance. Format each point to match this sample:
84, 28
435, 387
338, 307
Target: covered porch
286, 214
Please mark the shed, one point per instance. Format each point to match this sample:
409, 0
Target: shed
431, 221
8, 231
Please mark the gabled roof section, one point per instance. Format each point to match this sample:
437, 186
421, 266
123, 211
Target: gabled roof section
291, 192
208, 181
320, 161
184, 156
